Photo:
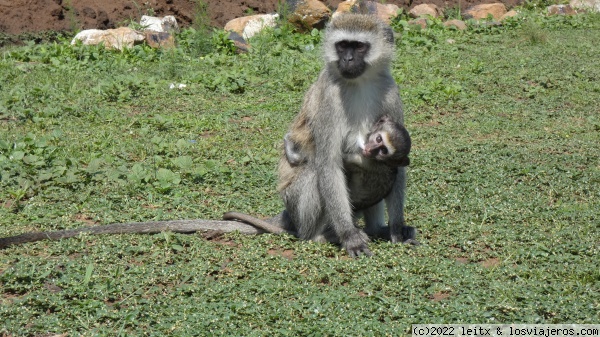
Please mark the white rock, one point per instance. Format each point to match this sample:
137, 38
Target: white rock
178, 86
255, 25
167, 24
591, 5
248, 26
119, 38
88, 36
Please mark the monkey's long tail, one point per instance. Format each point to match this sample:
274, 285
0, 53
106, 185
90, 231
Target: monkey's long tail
153, 227
258, 223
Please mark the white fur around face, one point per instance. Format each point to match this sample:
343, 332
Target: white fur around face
344, 35
380, 54
341, 35
388, 143
360, 141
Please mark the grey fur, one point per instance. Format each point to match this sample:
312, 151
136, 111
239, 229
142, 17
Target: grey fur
336, 110
293, 154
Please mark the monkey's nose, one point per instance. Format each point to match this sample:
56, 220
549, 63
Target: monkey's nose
368, 152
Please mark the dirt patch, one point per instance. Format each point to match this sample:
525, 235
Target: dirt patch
462, 260
20, 16
489, 263
286, 253
25, 16
439, 296
86, 219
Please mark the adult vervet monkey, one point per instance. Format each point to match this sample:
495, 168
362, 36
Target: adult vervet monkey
352, 91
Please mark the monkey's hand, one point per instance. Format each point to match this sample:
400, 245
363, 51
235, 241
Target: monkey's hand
406, 235
356, 244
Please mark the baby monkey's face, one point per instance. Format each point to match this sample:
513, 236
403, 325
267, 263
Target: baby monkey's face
388, 142
378, 146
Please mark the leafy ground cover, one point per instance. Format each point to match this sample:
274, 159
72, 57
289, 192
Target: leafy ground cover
503, 186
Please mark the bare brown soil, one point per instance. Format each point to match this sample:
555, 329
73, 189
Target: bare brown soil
25, 16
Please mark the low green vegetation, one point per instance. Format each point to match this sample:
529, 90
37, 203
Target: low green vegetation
504, 186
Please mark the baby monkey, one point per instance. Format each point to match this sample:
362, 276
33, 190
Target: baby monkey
387, 142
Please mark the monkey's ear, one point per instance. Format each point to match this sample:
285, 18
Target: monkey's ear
388, 34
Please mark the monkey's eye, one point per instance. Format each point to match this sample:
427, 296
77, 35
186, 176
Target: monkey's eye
378, 139
361, 46
384, 150
342, 45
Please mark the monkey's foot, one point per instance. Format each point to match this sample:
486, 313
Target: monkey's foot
407, 235
356, 244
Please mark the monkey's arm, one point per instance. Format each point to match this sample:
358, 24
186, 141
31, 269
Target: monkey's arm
334, 189
153, 227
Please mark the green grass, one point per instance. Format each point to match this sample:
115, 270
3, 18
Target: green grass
504, 186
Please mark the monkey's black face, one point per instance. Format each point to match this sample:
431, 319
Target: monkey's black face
351, 57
